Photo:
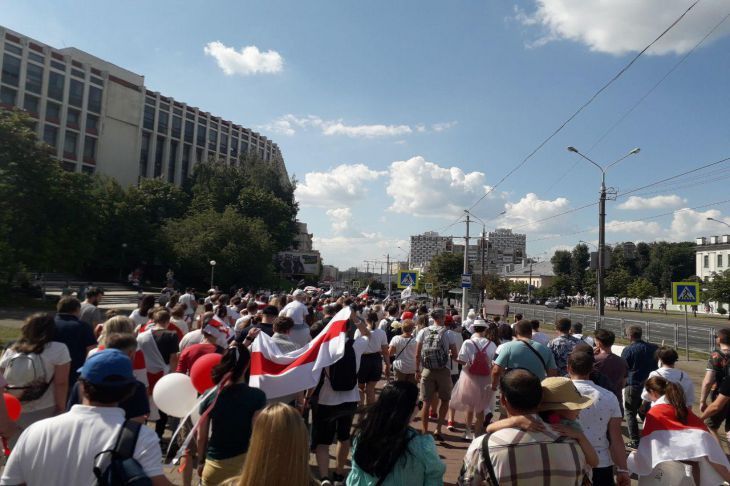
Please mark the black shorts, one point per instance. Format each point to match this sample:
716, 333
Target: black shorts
332, 421
723, 416
371, 368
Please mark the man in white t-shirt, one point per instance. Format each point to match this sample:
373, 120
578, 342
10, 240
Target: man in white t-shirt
188, 298
601, 422
335, 410
43, 454
576, 329
433, 343
298, 313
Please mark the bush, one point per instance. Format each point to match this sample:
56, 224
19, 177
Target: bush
722, 311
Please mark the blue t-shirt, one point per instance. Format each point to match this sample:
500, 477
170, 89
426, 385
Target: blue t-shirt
517, 354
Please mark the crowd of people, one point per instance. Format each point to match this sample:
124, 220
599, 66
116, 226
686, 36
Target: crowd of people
535, 409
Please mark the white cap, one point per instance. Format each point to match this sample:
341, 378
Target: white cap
298, 292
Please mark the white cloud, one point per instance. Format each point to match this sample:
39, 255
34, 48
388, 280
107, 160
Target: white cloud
656, 202
340, 219
638, 229
249, 60
289, 124
422, 188
339, 186
365, 131
527, 212
621, 26
347, 251
689, 224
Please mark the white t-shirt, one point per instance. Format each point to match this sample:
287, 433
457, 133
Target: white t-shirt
594, 419
138, 319
377, 339
181, 324
327, 396
296, 310
452, 339
585, 339
468, 351
61, 449
188, 300
675, 376
384, 323
193, 337
54, 354
405, 349
540, 337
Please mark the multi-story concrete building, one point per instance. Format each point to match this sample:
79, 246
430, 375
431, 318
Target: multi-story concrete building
100, 118
426, 246
712, 255
505, 247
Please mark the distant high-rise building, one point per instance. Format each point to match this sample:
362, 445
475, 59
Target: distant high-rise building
100, 118
426, 246
505, 247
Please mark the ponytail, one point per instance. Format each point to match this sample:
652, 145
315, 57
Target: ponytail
675, 397
234, 363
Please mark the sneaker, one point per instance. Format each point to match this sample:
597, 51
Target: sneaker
451, 426
326, 482
468, 435
432, 415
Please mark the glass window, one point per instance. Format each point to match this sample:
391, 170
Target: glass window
53, 112
706, 261
213, 139
50, 135
87, 169
36, 57
149, 118
89, 148
158, 156
34, 78
719, 260
177, 111
176, 126
199, 155
189, 130
68, 166
70, 143
234, 147
164, 106
162, 119
55, 86
76, 93
31, 104
73, 118
78, 74
171, 161
244, 147
224, 143
92, 123
11, 70
201, 136
96, 80
94, 99
8, 96
144, 154
14, 49
58, 65
186, 161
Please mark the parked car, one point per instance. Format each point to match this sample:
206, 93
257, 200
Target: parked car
554, 304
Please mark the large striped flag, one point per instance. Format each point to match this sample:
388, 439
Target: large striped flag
279, 374
665, 439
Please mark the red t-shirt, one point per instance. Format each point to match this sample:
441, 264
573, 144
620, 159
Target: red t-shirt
190, 355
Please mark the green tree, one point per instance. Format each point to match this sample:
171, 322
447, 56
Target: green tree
241, 247
495, 286
561, 261
579, 259
277, 215
561, 285
617, 283
446, 269
641, 289
590, 283
718, 288
518, 288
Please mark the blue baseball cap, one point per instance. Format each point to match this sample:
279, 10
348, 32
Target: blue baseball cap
109, 367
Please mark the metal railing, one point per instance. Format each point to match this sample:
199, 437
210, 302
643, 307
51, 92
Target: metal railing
701, 338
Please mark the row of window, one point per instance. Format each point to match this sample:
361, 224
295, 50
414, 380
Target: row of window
56, 84
706, 261
70, 143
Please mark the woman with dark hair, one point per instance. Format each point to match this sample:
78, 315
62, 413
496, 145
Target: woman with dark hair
142, 314
37, 370
387, 450
227, 416
673, 434
371, 365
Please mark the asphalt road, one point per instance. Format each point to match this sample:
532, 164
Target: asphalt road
658, 328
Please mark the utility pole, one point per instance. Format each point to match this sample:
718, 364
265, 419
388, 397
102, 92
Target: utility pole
601, 244
387, 264
481, 282
464, 290
529, 286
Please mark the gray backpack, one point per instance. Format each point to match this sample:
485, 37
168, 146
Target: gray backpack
435, 351
26, 377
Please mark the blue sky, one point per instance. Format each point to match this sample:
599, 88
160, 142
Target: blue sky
395, 116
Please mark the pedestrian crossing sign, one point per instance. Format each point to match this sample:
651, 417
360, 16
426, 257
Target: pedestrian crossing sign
407, 278
685, 293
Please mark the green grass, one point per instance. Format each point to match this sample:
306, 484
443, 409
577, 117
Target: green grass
8, 334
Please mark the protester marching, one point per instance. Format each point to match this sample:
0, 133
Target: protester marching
309, 388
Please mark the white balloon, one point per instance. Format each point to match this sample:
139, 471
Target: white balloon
195, 415
175, 394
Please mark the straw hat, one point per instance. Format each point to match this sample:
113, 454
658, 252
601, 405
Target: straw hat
559, 393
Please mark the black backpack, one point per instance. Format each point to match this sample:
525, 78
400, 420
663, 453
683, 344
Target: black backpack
343, 374
390, 332
123, 468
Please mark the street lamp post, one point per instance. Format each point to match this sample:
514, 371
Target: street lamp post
212, 273
601, 223
718, 221
121, 264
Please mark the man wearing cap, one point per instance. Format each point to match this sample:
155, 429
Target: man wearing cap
435, 380
298, 313
63, 449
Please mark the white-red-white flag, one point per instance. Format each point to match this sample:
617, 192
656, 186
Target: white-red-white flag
279, 374
364, 293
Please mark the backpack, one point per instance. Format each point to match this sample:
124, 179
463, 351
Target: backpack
26, 377
123, 468
481, 365
434, 353
390, 331
343, 374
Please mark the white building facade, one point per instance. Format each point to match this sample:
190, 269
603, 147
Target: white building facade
712, 255
100, 118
